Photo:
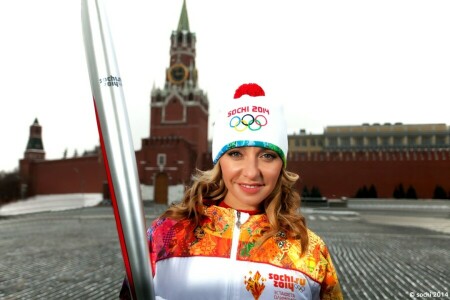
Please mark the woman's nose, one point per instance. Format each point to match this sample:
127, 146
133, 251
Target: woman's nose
251, 169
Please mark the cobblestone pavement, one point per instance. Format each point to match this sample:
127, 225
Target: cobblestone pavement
76, 255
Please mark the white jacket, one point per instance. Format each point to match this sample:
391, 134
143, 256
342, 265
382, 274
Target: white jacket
220, 260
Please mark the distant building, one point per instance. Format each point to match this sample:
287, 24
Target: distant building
373, 137
343, 161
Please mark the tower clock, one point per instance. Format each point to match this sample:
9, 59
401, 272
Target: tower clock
177, 73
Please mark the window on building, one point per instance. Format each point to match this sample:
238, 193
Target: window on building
385, 141
345, 141
161, 159
440, 140
426, 140
412, 141
359, 142
398, 141
332, 142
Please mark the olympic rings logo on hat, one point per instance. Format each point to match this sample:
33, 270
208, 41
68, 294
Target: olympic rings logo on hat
248, 121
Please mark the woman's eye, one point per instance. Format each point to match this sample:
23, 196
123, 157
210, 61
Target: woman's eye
234, 153
269, 156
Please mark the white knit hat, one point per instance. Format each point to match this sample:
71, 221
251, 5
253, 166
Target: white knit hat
251, 119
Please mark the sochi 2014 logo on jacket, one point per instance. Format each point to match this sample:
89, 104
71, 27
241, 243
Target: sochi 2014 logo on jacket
284, 286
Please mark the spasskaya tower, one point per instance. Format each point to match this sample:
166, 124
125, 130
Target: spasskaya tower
178, 114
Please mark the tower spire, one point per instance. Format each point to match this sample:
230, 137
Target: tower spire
35, 146
183, 23
35, 138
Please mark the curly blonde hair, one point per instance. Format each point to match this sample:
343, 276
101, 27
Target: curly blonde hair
282, 206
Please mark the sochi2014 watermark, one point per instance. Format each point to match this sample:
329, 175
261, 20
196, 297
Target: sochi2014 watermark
429, 294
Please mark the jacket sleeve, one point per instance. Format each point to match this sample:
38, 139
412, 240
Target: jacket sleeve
330, 288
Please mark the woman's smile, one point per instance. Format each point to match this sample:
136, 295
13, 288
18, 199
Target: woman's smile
250, 188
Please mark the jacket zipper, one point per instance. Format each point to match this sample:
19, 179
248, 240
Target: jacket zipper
236, 233
238, 219
234, 248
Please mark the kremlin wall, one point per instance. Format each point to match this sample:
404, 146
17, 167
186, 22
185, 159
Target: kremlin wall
335, 173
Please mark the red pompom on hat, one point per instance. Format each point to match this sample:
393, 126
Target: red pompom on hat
251, 89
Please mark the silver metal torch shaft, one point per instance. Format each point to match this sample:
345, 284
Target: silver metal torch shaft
117, 147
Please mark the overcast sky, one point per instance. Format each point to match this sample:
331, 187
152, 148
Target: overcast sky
330, 62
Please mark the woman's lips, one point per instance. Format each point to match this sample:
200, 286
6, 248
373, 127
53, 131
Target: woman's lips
251, 188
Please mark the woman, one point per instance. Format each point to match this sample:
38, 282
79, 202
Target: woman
238, 232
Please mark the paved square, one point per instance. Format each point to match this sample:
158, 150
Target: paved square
76, 255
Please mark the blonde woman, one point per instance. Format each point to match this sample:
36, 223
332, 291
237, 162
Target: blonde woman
238, 232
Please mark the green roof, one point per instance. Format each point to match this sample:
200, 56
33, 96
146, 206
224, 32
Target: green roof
183, 24
35, 144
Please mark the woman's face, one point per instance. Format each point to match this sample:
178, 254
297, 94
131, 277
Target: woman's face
250, 175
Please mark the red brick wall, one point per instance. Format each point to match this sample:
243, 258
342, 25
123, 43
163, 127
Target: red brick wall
194, 130
180, 159
341, 176
336, 175
75, 175
174, 110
